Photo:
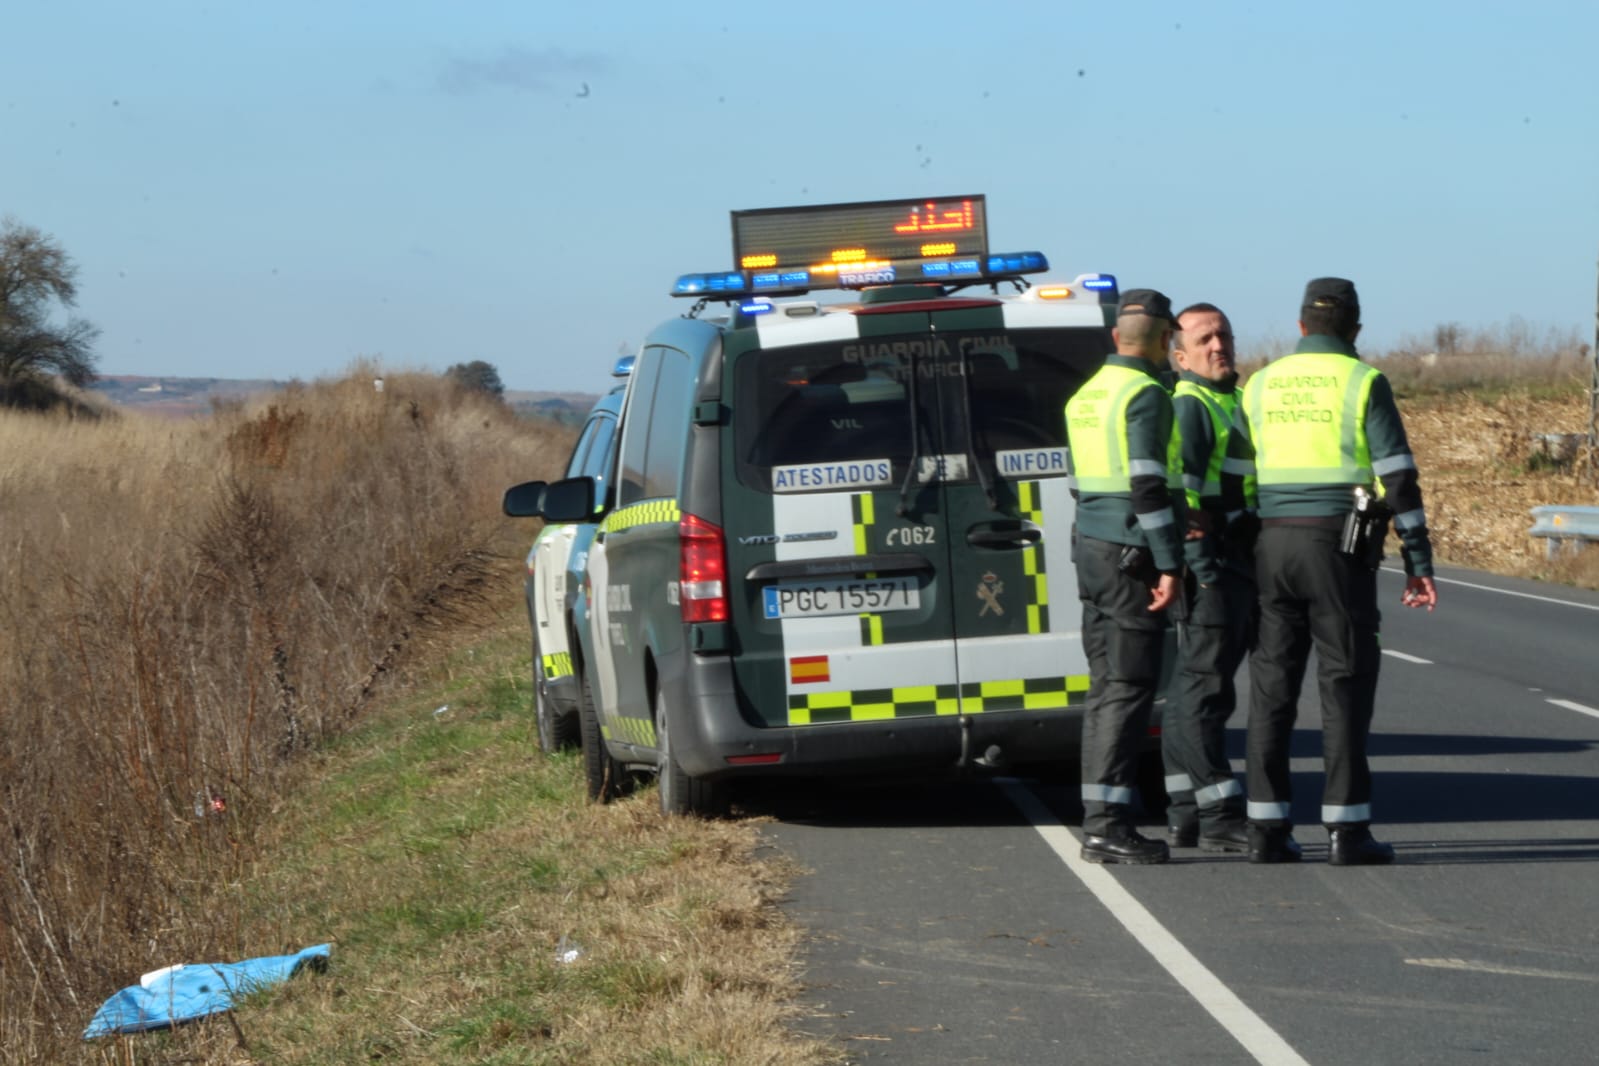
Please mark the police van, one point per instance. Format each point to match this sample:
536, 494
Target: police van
838, 536
555, 564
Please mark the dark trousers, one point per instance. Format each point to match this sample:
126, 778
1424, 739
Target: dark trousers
1310, 592
1124, 641
1212, 643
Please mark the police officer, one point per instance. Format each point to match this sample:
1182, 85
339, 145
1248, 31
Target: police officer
1207, 801
1129, 555
1325, 428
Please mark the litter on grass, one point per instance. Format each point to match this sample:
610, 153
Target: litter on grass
184, 992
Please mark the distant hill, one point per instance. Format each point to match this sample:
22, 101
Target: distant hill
175, 396
568, 408
181, 397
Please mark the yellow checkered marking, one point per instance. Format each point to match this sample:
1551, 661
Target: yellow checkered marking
871, 630
863, 513
1033, 562
630, 731
557, 665
648, 513
924, 701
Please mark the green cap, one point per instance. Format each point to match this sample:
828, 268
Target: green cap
1146, 302
1328, 294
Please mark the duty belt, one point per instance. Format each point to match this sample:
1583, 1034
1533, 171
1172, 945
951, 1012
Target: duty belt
1306, 521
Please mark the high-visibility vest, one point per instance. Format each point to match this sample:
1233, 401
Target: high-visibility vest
1221, 407
1307, 414
1096, 429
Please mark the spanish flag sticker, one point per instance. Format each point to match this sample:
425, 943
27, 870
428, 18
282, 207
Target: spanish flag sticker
808, 669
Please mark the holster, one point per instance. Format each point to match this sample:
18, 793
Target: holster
1365, 531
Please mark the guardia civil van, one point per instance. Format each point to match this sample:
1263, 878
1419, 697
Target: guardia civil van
555, 565
838, 536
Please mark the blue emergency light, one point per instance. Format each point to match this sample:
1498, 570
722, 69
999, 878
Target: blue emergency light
709, 284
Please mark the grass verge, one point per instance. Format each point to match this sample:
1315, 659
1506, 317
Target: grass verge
482, 911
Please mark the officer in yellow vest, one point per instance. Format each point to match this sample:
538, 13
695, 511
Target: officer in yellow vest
1129, 555
1325, 430
1207, 800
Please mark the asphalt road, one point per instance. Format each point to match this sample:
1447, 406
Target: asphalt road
955, 923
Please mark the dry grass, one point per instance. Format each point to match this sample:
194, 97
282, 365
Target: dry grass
308, 611
1483, 470
186, 607
450, 863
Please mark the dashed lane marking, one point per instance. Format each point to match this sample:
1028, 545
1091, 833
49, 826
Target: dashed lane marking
1579, 708
1407, 658
1241, 1023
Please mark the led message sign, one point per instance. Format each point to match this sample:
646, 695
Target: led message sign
861, 243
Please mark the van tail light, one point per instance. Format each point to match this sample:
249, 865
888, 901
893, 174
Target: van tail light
702, 570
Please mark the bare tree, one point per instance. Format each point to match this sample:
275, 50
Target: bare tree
35, 275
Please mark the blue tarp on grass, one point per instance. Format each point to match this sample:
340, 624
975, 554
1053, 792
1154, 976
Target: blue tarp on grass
184, 993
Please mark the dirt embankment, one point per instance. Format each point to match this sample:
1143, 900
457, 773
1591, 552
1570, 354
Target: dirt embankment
1484, 466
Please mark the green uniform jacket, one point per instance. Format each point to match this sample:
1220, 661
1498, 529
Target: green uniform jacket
1150, 513
1388, 448
1217, 467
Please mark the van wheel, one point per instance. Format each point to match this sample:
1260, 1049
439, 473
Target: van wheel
601, 774
680, 793
557, 730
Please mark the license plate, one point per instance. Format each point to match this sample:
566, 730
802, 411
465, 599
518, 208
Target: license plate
811, 599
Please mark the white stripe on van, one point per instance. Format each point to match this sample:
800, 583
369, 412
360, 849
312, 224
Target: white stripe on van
777, 330
1057, 314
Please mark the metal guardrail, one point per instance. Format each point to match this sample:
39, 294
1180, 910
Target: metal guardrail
1559, 525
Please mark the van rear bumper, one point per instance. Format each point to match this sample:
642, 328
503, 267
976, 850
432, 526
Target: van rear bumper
714, 739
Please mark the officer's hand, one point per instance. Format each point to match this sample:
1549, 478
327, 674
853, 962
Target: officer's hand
1165, 590
1420, 592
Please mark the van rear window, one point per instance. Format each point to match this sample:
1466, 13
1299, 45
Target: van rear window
839, 414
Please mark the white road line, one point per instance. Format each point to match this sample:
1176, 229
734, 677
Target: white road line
1579, 708
1407, 658
1505, 592
1241, 1023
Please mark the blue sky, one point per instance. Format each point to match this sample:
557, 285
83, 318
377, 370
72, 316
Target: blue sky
275, 190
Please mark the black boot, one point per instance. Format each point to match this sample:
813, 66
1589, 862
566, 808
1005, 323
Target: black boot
1353, 845
1230, 835
1273, 844
1126, 847
1182, 836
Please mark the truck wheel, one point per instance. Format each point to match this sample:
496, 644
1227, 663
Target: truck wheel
680, 793
601, 773
557, 730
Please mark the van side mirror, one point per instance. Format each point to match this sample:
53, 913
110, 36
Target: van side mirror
525, 500
569, 500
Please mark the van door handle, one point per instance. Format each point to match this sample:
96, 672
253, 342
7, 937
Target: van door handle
1021, 537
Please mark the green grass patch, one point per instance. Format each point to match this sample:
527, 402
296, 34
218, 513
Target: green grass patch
481, 910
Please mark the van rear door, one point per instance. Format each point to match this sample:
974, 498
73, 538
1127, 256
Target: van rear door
898, 520
1006, 499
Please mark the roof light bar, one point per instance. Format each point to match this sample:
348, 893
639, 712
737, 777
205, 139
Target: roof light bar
739, 285
731, 281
